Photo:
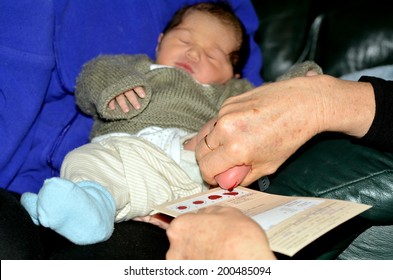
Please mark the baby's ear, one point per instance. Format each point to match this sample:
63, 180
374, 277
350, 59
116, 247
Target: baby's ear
160, 38
237, 76
159, 41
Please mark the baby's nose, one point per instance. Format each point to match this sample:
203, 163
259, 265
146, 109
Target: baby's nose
193, 54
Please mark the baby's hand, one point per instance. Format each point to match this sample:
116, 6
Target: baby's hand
131, 96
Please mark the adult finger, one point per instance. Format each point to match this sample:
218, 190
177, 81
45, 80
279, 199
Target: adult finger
212, 163
232, 177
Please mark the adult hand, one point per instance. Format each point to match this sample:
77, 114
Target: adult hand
160, 220
217, 233
265, 126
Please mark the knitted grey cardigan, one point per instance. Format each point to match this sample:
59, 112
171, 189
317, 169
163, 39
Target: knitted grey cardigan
173, 97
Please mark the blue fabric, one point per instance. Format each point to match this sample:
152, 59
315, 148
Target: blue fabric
43, 45
83, 212
26, 64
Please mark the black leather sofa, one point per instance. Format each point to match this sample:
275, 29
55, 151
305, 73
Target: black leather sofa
342, 37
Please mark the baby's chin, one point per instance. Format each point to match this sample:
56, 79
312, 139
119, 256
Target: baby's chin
201, 79
205, 81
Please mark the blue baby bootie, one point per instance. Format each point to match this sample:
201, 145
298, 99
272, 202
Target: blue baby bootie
83, 212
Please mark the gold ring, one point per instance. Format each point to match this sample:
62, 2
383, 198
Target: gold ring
207, 145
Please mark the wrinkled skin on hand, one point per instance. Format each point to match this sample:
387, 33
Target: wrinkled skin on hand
217, 233
265, 126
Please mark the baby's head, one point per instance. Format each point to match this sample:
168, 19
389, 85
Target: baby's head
207, 40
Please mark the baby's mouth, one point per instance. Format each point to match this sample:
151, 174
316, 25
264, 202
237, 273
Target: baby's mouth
185, 67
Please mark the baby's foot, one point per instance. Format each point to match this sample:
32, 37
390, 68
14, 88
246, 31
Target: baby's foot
84, 212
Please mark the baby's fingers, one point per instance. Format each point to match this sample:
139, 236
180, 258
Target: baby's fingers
140, 92
133, 98
112, 104
121, 100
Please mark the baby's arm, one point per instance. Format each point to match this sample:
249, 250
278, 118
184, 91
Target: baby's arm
107, 77
131, 96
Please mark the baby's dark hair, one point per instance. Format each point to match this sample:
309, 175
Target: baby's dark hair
224, 12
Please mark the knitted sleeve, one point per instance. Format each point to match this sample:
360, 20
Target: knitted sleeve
300, 70
232, 88
380, 134
105, 77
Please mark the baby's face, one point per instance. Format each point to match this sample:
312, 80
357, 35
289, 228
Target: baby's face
200, 45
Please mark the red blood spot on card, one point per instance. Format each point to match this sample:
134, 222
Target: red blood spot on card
198, 202
181, 207
231, 193
214, 196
